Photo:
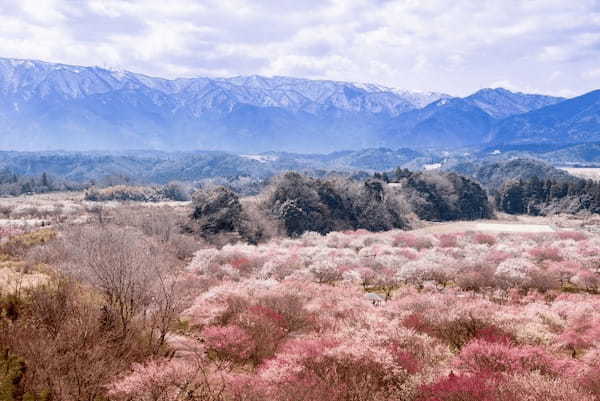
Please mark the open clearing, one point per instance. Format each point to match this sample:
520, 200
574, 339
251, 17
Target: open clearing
591, 173
513, 228
488, 226
13, 281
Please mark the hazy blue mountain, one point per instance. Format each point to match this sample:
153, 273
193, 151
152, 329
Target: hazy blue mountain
456, 122
378, 159
586, 153
501, 103
46, 106
571, 121
445, 123
53, 106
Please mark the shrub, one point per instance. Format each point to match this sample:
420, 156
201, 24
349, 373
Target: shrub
487, 239
266, 319
412, 241
11, 388
481, 387
70, 345
323, 369
448, 241
417, 321
480, 356
571, 235
132, 279
586, 280
459, 331
19, 243
534, 386
229, 342
546, 253
514, 273
493, 334
266, 327
167, 380
476, 277
590, 379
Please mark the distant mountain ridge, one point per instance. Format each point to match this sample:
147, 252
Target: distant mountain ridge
161, 167
56, 106
49, 106
502, 103
443, 123
571, 121
27, 78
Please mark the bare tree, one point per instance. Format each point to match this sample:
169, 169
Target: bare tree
125, 266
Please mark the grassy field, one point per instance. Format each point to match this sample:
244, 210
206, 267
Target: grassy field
487, 226
592, 173
505, 223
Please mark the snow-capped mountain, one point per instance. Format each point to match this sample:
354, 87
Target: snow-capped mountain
25, 79
501, 103
57, 106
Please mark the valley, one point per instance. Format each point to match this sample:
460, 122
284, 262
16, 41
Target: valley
340, 200
239, 320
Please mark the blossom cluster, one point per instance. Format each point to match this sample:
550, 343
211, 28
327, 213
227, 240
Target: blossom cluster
470, 260
9, 231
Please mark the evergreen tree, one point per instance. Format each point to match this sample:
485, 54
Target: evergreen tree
512, 199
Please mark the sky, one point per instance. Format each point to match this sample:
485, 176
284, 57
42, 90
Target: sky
450, 46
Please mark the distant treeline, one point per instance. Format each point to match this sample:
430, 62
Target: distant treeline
171, 192
12, 184
493, 175
110, 187
293, 204
544, 197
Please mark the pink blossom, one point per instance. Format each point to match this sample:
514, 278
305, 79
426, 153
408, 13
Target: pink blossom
546, 253
482, 238
229, 342
571, 235
481, 387
157, 380
448, 240
500, 357
586, 280
412, 241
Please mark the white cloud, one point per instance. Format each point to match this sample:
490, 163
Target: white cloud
456, 47
591, 74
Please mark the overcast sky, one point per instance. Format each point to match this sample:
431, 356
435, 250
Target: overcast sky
452, 46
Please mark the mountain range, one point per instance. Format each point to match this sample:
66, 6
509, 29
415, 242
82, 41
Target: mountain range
49, 106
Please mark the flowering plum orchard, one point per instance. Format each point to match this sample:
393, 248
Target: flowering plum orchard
464, 317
